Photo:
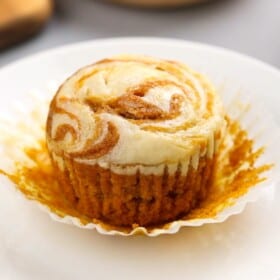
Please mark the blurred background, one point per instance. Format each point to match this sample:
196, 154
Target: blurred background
248, 26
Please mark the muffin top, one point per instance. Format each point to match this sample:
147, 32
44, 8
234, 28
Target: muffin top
134, 110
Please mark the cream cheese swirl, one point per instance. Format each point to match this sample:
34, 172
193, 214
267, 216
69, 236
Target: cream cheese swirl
134, 110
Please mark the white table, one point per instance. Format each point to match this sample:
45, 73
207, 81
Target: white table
248, 26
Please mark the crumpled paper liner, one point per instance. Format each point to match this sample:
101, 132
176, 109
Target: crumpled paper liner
22, 143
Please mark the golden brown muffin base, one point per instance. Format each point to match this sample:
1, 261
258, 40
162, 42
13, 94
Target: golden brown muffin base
138, 199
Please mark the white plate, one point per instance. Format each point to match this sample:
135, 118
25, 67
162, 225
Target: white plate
32, 246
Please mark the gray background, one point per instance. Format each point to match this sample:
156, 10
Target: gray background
248, 26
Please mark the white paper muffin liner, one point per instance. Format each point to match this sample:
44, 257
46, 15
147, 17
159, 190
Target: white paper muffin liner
240, 104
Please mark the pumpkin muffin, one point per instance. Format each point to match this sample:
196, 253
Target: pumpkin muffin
133, 139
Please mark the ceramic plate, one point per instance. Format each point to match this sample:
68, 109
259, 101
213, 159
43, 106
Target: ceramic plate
246, 246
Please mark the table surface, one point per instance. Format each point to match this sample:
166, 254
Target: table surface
251, 27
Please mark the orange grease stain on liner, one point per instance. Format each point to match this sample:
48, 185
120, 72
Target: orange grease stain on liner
235, 172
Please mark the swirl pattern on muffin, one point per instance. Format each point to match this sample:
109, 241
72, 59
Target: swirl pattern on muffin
135, 111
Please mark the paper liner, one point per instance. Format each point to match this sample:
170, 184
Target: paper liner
118, 206
239, 103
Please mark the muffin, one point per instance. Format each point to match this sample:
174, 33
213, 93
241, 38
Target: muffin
133, 139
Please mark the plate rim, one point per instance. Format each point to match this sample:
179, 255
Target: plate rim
145, 39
